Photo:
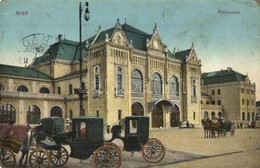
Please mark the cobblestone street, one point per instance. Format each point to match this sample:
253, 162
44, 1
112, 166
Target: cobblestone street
135, 160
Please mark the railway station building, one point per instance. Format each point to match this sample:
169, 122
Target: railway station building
125, 72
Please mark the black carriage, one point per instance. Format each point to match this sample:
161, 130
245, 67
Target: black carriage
227, 127
136, 138
86, 139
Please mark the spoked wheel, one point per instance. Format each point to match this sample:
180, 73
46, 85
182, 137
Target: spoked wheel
153, 151
59, 157
114, 145
7, 157
39, 158
107, 156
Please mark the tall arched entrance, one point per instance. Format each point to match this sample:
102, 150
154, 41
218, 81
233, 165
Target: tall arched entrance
137, 109
157, 117
174, 116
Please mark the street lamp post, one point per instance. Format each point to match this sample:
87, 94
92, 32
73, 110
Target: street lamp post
81, 90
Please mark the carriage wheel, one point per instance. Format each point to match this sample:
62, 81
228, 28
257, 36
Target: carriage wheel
114, 145
39, 158
153, 151
7, 157
59, 157
107, 156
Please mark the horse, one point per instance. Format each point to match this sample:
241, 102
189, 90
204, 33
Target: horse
214, 127
206, 127
16, 138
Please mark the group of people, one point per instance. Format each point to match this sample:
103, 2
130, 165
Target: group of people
239, 125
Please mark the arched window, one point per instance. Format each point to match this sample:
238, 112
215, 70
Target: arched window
136, 82
22, 88
119, 88
213, 92
213, 115
219, 115
201, 102
174, 86
1, 87
207, 102
206, 115
33, 114
243, 116
156, 83
248, 116
7, 113
56, 111
44, 90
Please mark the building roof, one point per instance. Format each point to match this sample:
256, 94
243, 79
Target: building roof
62, 50
133, 34
181, 55
69, 50
222, 76
22, 72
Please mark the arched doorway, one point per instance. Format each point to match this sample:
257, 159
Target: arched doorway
157, 117
174, 116
137, 109
56, 111
33, 114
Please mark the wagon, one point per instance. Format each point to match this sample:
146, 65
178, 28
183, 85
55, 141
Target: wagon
87, 140
12, 138
227, 127
136, 138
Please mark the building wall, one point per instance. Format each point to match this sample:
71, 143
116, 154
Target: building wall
231, 98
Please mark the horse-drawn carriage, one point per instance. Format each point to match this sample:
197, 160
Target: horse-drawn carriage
87, 139
227, 127
219, 126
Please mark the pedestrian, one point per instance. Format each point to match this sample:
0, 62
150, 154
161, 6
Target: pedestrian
238, 126
108, 129
241, 125
187, 124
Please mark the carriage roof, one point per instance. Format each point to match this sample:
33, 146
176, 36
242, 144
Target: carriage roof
53, 125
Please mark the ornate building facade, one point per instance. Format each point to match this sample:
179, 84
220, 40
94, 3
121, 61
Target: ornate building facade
125, 72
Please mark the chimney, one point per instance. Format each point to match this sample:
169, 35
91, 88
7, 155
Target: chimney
229, 68
59, 37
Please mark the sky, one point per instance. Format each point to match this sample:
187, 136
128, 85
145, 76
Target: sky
224, 33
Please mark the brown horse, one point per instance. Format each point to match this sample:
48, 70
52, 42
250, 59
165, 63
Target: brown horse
215, 128
206, 127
